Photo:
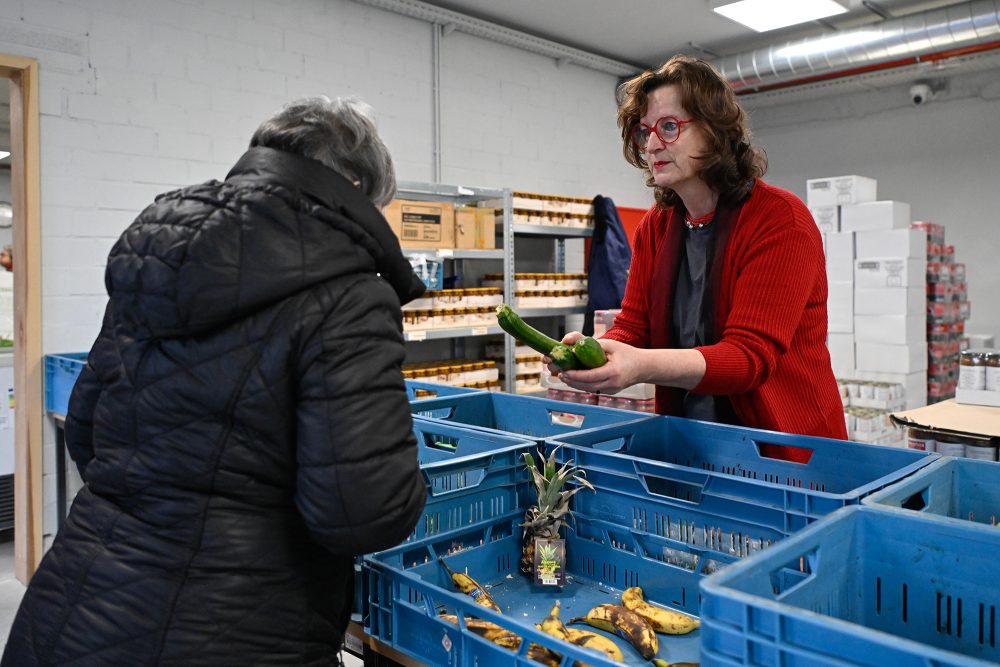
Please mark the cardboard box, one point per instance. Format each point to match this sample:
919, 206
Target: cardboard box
954, 418
977, 397
896, 329
486, 228
840, 190
465, 227
422, 224
890, 272
915, 384
890, 358
890, 301
875, 215
841, 348
827, 218
840, 257
891, 243
840, 307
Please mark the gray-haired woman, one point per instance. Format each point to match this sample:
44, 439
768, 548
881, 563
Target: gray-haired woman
242, 426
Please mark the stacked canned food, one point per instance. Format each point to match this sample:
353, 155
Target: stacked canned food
455, 372
951, 444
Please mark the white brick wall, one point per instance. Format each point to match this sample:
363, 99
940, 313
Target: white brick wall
142, 96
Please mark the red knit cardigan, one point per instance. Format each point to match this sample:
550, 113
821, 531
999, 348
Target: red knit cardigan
771, 358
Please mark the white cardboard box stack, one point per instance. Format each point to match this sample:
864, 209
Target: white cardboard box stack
876, 273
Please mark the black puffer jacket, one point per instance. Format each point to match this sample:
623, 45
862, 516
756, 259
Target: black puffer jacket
242, 428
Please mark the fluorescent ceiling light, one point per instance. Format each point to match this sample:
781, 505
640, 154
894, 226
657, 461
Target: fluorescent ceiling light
764, 15
4, 154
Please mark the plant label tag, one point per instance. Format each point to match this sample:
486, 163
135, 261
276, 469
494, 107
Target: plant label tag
550, 562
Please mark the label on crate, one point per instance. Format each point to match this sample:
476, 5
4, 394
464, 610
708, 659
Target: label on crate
550, 562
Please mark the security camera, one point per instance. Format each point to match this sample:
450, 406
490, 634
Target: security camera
921, 93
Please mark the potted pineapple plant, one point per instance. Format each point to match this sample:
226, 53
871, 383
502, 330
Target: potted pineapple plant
543, 550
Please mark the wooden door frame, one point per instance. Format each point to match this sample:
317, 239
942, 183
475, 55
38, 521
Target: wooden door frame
25, 192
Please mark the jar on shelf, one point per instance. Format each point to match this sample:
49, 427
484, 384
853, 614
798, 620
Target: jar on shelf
919, 439
972, 370
993, 371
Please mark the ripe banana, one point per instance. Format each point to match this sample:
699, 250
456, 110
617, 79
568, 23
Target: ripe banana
552, 625
597, 642
662, 620
660, 662
471, 587
626, 624
488, 631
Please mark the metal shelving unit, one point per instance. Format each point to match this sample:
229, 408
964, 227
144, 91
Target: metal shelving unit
551, 312
552, 230
463, 196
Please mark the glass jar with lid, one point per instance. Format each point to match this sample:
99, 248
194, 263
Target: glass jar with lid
993, 370
972, 370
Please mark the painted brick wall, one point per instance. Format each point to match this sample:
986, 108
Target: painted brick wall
141, 96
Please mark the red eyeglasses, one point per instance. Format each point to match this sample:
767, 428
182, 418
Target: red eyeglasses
667, 130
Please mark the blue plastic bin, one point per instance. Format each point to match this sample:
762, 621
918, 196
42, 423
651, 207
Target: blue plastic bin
434, 390
721, 469
61, 372
862, 587
471, 476
963, 490
409, 588
537, 418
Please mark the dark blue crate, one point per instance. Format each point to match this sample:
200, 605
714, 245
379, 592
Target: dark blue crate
434, 390
963, 490
862, 587
730, 470
409, 588
61, 372
537, 418
471, 476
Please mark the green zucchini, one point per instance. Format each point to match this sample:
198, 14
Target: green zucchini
511, 322
589, 352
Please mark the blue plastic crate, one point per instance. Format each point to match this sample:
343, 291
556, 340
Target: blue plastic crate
409, 588
963, 490
471, 476
61, 372
727, 470
863, 587
537, 418
434, 390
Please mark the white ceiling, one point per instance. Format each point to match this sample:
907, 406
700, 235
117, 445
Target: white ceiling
647, 32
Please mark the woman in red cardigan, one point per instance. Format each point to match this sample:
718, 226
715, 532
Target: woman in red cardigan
725, 306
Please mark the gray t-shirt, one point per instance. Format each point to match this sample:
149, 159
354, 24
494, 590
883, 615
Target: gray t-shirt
689, 309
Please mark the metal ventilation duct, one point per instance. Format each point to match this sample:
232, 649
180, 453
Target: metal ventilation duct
932, 35
462, 22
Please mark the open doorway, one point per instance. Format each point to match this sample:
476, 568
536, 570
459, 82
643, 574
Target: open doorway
21, 387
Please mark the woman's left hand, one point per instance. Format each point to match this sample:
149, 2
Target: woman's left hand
625, 368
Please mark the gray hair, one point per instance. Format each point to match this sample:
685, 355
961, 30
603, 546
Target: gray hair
339, 133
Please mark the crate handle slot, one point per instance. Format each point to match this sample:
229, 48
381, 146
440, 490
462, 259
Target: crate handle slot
786, 453
916, 502
438, 413
676, 489
565, 418
613, 445
441, 443
793, 574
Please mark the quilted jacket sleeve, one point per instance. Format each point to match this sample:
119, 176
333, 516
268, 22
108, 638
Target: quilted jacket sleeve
79, 428
359, 486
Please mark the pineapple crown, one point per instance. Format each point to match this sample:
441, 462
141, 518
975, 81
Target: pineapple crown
546, 518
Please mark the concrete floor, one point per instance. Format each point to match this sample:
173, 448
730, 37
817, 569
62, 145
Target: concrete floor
11, 591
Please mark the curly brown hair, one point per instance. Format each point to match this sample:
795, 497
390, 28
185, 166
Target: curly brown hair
731, 163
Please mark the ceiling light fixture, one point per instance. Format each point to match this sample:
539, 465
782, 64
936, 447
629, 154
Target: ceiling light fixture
4, 154
764, 15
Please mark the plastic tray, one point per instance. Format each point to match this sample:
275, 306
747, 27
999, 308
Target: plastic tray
436, 389
962, 490
726, 470
61, 372
471, 476
863, 587
409, 588
537, 418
